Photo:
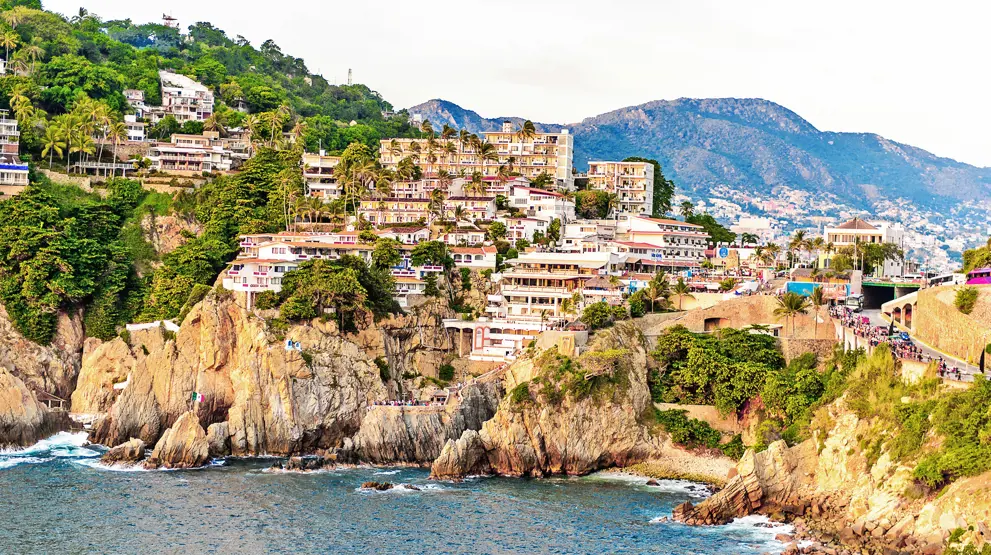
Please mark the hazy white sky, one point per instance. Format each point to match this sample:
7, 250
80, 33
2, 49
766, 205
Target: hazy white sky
913, 71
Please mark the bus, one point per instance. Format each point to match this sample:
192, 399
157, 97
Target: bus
947, 279
854, 302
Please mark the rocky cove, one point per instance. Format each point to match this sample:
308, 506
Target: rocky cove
530, 419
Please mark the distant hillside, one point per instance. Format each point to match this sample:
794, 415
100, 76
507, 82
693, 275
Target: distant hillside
754, 144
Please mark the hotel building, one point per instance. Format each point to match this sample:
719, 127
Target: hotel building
663, 244
631, 182
182, 98
13, 172
318, 171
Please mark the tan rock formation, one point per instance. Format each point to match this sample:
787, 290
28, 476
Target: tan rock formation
50, 368
127, 453
24, 420
416, 435
273, 401
582, 434
104, 365
166, 233
184, 445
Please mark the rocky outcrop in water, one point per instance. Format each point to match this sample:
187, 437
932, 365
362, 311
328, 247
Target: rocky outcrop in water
23, 419
184, 445
554, 422
873, 505
273, 401
416, 435
128, 453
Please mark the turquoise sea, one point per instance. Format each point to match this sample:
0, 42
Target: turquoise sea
55, 497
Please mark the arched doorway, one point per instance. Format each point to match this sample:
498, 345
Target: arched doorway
907, 316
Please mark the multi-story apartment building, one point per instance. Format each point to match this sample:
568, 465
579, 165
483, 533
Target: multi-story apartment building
318, 171
538, 282
265, 259
135, 129
587, 235
858, 231
471, 208
669, 245
183, 98
13, 172
187, 156
136, 98
464, 235
479, 258
545, 205
551, 153
631, 182
395, 210
409, 235
524, 228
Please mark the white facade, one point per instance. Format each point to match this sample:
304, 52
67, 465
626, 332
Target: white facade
406, 235
538, 203
318, 171
183, 98
524, 228
673, 245
631, 182
466, 236
849, 233
135, 129
479, 258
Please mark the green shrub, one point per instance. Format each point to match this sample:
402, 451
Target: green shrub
383, 367
307, 357
686, 431
267, 300
445, 372
965, 299
734, 449
520, 395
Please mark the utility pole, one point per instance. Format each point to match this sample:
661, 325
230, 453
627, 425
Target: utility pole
349, 77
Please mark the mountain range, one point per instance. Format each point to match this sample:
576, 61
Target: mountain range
754, 145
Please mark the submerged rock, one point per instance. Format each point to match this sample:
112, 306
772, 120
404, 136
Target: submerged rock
184, 445
130, 452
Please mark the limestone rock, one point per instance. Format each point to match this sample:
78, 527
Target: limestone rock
50, 368
184, 445
103, 366
131, 452
23, 419
417, 435
219, 440
274, 402
570, 435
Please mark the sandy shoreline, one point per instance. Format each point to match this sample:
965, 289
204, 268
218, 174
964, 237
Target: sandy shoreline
710, 470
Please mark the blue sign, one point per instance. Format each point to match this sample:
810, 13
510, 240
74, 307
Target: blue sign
723, 252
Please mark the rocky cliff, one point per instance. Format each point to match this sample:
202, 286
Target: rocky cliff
50, 368
262, 398
565, 416
416, 435
847, 496
24, 420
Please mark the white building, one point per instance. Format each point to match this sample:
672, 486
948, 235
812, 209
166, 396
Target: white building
524, 228
13, 172
763, 228
471, 208
538, 203
478, 258
852, 232
587, 235
631, 182
464, 235
318, 171
183, 98
669, 245
538, 282
406, 235
135, 129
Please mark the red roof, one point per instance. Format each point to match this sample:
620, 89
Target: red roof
472, 250
636, 245
541, 191
855, 223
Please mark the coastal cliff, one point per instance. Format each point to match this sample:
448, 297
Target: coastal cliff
270, 400
417, 435
566, 416
847, 495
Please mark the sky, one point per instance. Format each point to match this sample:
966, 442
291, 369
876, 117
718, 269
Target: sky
914, 72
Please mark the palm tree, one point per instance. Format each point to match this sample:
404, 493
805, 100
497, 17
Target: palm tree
486, 153
816, 246
502, 174
427, 128
464, 138
216, 122
446, 132
9, 40
526, 131
653, 295
81, 143
53, 143
34, 52
437, 202
797, 244
818, 299
16, 15
396, 148
790, 305
773, 251
116, 133
748, 238
687, 209
682, 290
459, 213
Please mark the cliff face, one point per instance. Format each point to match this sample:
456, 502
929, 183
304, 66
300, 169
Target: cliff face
844, 496
271, 401
50, 368
416, 435
414, 343
563, 433
23, 420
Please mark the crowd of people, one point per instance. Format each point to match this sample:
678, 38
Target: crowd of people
901, 345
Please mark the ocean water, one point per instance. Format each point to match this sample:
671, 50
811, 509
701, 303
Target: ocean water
55, 497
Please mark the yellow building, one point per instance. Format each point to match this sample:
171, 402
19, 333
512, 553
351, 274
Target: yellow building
395, 210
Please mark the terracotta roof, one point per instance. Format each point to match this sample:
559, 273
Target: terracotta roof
599, 282
855, 223
472, 250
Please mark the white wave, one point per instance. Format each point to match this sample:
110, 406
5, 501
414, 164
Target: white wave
14, 461
684, 487
388, 472
404, 489
96, 464
65, 443
761, 529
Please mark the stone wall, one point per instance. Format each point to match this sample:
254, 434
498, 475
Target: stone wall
83, 182
939, 324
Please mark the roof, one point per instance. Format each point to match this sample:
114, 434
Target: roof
541, 191
599, 282
636, 245
668, 222
486, 199
855, 223
410, 229
397, 199
242, 261
404, 279
45, 396
472, 250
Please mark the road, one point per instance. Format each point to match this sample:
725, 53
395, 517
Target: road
967, 370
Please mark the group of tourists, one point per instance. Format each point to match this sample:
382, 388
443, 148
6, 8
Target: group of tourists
901, 345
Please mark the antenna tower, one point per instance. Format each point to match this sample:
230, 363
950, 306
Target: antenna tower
349, 77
